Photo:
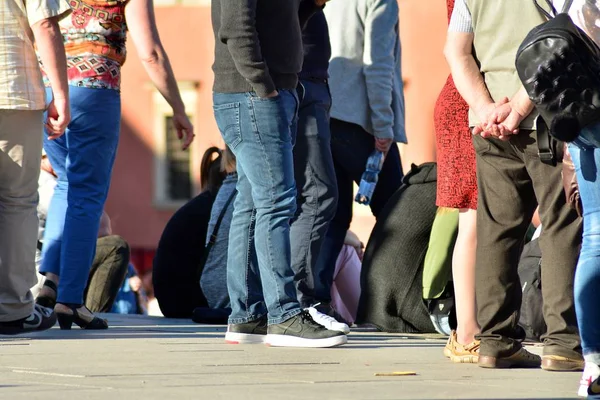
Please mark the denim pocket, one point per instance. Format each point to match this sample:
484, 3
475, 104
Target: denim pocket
228, 121
273, 117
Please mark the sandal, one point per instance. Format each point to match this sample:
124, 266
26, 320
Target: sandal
48, 301
67, 320
459, 353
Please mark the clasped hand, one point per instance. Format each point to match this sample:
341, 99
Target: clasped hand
499, 120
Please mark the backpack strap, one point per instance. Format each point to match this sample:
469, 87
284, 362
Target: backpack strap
552, 9
545, 150
567, 6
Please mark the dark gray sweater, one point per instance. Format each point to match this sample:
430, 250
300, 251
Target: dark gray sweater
258, 44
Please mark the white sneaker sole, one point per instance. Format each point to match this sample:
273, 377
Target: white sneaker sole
294, 341
244, 338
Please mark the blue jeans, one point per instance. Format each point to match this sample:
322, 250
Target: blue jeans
351, 146
316, 186
586, 159
259, 132
83, 159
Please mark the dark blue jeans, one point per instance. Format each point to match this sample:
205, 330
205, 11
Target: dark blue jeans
351, 146
259, 132
316, 186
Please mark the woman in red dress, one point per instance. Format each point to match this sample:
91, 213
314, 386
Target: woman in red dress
457, 189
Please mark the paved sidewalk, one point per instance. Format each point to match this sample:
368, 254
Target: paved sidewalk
156, 358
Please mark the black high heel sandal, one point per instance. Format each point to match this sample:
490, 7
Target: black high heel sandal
67, 320
48, 301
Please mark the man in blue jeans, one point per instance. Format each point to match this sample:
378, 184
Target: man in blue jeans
367, 113
314, 173
258, 54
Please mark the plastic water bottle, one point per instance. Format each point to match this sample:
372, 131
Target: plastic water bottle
369, 178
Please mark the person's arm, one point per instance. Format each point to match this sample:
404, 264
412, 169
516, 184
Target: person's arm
381, 35
465, 72
51, 50
141, 23
238, 32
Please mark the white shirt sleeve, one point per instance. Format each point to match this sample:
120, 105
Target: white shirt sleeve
461, 20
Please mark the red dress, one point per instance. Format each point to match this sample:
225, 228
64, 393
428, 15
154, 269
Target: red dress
457, 179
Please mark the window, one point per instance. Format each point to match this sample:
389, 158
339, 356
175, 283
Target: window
179, 179
175, 180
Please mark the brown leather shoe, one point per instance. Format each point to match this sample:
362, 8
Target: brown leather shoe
561, 364
521, 359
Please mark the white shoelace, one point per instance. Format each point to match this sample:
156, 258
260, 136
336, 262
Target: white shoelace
327, 321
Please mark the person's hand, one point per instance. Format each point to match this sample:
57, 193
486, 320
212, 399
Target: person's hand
503, 122
383, 145
352, 240
58, 117
274, 93
135, 283
510, 126
321, 3
46, 166
485, 113
184, 129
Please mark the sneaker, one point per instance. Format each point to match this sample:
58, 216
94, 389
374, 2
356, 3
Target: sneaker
302, 331
459, 353
327, 322
589, 386
521, 359
40, 319
247, 333
562, 364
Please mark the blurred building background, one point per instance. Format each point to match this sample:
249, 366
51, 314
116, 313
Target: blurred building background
152, 177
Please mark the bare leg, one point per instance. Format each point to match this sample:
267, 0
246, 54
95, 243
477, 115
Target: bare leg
463, 271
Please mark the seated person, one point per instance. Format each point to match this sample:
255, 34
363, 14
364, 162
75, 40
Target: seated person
177, 264
345, 290
213, 281
110, 262
128, 298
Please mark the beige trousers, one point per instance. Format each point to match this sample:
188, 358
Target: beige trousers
20, 154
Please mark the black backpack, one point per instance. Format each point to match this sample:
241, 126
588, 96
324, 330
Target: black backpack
530, 274
559, 66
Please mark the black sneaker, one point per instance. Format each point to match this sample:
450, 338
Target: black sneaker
248, 333
303, 331
40, 319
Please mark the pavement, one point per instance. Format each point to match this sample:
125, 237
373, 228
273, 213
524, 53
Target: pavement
142, 357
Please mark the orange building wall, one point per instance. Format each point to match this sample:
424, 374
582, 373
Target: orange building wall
187, 36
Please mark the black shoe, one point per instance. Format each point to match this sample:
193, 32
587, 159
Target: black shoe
67, 320
40, 319
303, 331
248, 333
